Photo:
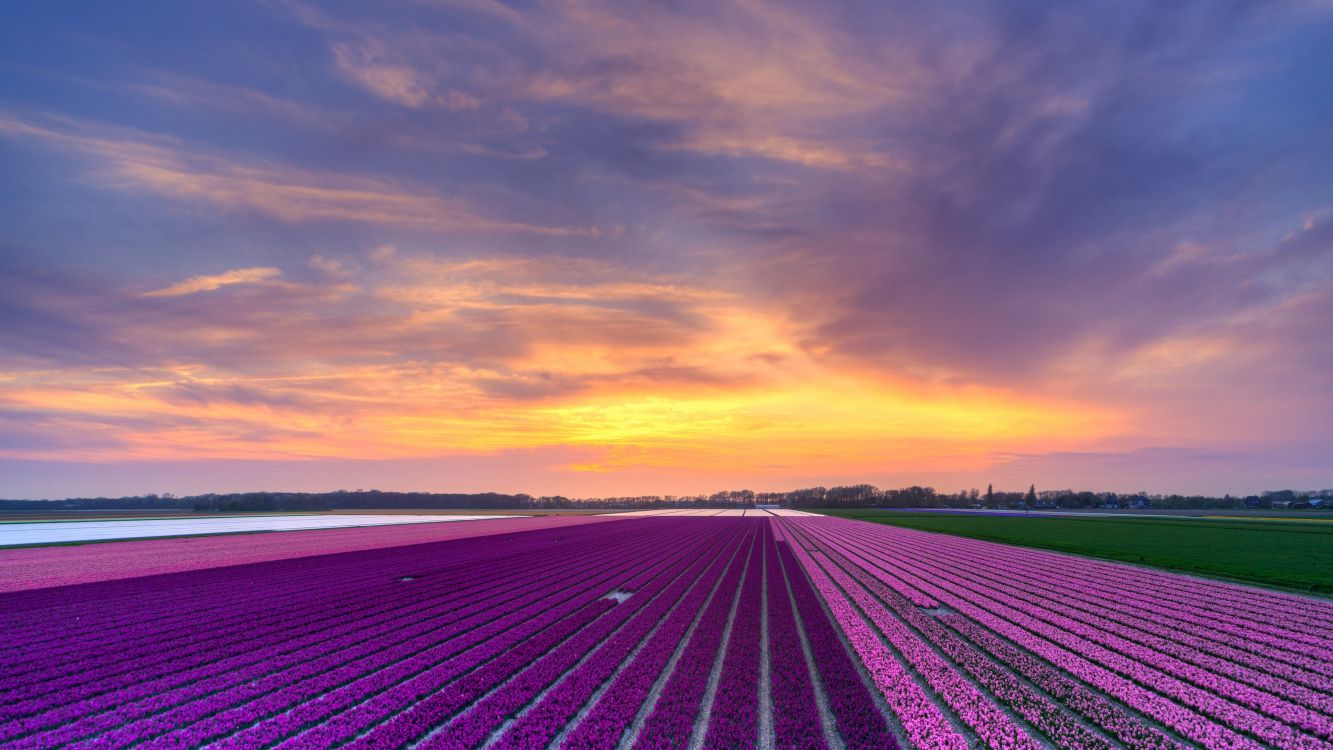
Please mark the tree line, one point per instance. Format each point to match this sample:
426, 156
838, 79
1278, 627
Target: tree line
853, 496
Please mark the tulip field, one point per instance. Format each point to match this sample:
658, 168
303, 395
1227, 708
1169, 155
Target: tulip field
672, 629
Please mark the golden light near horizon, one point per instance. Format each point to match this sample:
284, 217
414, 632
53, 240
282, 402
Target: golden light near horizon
730, 390
685, 246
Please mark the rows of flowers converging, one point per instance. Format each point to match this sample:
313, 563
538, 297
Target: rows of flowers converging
1071, 645
666, 632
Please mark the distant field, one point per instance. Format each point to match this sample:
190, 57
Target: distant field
98, 515
1292, 555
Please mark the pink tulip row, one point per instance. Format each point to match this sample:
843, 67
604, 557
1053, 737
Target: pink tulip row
924, 723
1269, 646
1178, 683
992, 726
1239, 706
1278, 698
1025, 631
1091, 705
1042, 712
1195, 636
1283, 619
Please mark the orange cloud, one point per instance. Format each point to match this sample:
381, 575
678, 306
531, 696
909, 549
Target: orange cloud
209, 283
631, 371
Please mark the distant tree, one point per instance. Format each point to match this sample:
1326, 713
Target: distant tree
1031, 497
990, 494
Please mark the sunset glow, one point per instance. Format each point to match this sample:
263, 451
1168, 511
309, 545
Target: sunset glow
604, 248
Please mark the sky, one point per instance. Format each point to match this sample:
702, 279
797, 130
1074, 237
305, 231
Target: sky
625, 248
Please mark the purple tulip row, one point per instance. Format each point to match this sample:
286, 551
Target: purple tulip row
858, 720
1135, 674
607, 721
115, 691
298, 684
734, 720
382, 721
672, 719
215, 695
477, 722
61, 671
795, 715
1235, 704
331, 637
922, 720
120, 604
548, 717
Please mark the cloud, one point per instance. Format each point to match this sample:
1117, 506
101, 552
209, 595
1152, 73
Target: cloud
139, 161
196, 284
366, 64
858, 240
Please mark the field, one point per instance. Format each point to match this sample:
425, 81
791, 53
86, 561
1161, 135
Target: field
19, 533
666, 630
1295, 553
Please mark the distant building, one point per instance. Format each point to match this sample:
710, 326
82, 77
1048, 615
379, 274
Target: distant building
1110, 505
1140, 503
1254, 501
768, 506
1045, 505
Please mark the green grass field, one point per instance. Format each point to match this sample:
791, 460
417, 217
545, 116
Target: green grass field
1291, 555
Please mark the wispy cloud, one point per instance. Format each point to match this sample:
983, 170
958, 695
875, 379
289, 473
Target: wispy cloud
196, 284
125, 159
